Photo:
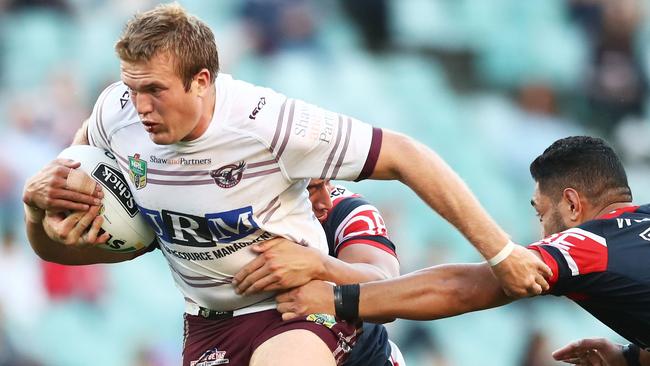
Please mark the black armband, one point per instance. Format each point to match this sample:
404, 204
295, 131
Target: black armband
631, 353
346, 301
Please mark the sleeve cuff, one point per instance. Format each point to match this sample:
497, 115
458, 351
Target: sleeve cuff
550, 261
373, 155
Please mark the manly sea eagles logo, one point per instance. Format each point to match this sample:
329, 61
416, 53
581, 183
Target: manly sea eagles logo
229, 175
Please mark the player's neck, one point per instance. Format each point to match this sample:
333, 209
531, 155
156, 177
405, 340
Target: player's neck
207, 114
211, 103
612, 207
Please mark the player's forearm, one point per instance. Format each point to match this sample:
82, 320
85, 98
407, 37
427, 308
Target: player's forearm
343, 273
441, 188
46, 248
38, 239
432, 293
52, 251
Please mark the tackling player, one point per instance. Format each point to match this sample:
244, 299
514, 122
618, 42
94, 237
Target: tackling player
596, 242
357, 236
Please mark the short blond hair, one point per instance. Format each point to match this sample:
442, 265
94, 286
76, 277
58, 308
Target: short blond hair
169, 28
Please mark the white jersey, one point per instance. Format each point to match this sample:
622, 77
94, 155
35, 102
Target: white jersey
243, 181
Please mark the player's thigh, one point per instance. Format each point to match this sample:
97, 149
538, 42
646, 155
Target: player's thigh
297, 347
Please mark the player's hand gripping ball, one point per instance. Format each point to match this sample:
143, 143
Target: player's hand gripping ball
123, 221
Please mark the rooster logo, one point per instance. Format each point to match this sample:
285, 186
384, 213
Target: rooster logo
228, 175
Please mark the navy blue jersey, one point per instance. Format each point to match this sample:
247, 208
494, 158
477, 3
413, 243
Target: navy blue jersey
604, 266
353, 221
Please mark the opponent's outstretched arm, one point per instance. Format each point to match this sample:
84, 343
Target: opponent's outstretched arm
417, 166
432, 293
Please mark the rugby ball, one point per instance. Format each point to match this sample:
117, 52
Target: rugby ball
127, 228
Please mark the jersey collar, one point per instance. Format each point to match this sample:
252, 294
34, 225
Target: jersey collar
618, 212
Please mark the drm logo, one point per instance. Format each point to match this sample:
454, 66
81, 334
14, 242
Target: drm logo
201, 231
232, 225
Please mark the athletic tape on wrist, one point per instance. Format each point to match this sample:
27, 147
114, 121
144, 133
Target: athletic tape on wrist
338, 299
79, 181
632, 354
503, 254
346, 301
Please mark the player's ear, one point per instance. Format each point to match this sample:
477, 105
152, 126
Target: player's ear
201, 82
574, 205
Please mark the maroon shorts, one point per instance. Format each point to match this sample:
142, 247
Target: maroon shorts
232, 341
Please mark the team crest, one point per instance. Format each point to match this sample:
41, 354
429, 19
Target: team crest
138, 171
229, 175
210, 358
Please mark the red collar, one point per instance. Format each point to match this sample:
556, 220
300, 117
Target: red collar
618, 212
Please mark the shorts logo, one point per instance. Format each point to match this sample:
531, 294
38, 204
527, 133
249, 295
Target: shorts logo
138, 171
322, 319
210, 358
229, 175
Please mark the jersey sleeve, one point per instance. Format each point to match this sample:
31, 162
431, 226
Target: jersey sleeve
311, 142
112, 108
354, 221
572, 253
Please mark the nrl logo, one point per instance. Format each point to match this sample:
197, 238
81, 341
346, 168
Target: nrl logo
322, 319
229, 175
138, 171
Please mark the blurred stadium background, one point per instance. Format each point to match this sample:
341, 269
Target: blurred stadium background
487, 84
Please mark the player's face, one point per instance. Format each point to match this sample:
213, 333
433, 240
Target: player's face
168, 113
549, 213
319, 195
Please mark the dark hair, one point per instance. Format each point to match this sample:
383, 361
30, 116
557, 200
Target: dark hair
585, 163
169, 28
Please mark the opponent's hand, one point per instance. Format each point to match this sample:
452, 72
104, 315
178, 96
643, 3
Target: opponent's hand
591, 352
59, 187
281, 264
78, 229
312, 298
522, 274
